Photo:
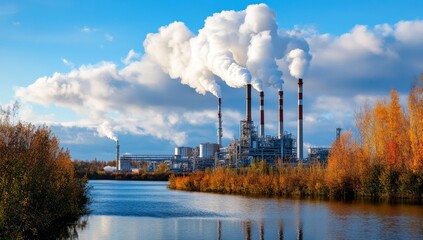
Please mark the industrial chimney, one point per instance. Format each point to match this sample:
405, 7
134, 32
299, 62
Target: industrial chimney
219, 115
248, 103
280, 127
300, 120
338, 133
118, 167
262, 114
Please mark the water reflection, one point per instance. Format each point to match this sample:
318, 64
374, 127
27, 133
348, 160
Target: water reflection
142, 210
280, 230
62, 230
300, 231
72, 230
261, 230
219, 230
382, 220
247, 230
114, 227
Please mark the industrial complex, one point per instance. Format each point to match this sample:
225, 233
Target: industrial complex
251, 145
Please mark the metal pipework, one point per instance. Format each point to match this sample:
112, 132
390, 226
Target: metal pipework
300, 120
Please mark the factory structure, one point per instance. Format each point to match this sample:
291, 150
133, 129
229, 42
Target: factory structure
251, 146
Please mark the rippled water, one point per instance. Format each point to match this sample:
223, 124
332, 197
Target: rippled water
148, 210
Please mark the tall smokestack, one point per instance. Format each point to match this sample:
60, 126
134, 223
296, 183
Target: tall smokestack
338, 133
219, 115
248, 103
300, 120
261, 114
280, 127
118, 167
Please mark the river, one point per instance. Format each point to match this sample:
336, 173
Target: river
148, 210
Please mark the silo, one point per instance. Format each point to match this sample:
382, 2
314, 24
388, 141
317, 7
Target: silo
208, 150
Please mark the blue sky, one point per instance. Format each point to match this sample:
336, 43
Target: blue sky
359, 51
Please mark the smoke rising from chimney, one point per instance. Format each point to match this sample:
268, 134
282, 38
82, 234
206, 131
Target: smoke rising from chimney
298, 61
105, 130
238, 48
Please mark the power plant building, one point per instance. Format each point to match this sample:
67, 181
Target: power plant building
253, 144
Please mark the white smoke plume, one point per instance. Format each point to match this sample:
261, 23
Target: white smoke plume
171, 49
236, 47
298, 62
109, 169
105, 130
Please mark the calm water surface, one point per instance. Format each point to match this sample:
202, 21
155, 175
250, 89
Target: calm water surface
148, 210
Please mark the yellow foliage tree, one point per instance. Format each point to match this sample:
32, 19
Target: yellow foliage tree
397, 139
341, 174
415, 112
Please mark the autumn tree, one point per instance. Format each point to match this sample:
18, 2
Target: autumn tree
162, 168
415, 112
398, 142
38, 188
341, 174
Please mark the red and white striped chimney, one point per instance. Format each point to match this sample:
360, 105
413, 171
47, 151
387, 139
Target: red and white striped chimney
248, 103
300, 120
219, 115
261, 114
280, 127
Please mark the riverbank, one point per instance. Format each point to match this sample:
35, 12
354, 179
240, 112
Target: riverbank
128, 176
301, 181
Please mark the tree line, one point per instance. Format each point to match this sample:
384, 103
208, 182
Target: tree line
94, 170
383, 160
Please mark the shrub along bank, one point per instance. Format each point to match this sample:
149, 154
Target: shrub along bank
38, 187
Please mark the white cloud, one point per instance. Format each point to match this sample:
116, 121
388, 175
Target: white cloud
109, 37
409, 32
109, 102
200, 117
68, 63
366, 60
145, 73
87, 29
132, 55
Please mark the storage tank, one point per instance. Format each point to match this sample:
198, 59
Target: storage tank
184, 152
208, 150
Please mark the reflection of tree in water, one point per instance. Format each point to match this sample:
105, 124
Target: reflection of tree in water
67, 231
300, 231
247, 230
262, 230
280, 231
219, 230
248, 225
